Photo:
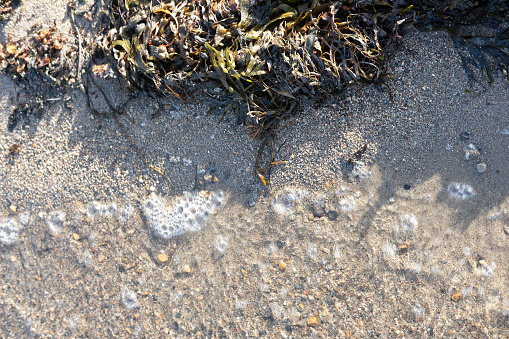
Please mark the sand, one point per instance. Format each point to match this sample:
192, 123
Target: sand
411, 241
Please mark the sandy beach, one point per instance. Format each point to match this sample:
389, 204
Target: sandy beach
409, 241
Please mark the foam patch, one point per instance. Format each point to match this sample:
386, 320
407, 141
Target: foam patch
186, 215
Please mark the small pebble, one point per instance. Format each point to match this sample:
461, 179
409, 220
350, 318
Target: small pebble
186, 269
318, 212
403, 247
313, 321
251, 202
481, 168
76, 236
456, 296
332, 215
464, 136
13, 208
282, 265
162, 258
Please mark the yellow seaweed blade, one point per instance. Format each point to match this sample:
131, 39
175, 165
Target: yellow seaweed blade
262, 178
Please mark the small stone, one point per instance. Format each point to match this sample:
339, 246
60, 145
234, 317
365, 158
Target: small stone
481, 168
318, 212
456, 296
403, 247
313, 321
282, 265
186, 269
332, 215
13, 208
407, 187
101, 258
162, 258
470, 265
76, 236
208, 177
464, 136
251, 202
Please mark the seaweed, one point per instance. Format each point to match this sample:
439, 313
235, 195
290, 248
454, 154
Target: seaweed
269, 57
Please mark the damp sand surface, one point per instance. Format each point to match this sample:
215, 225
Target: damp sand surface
410, 240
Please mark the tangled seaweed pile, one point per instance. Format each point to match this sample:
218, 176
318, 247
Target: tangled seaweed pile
270, 55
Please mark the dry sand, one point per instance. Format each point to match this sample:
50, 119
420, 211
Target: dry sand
378, 250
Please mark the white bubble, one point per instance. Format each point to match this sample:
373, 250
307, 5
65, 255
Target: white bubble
337, 251
312, 251
361, 171
241, 304
471, 152
126, 212
264, 288
409, 223
9, 230
294, 315
55, 221
285, 203
96, 209
129, 299
488, 270
277, 310
461, 191
24, 219
347, 205
221, 243
418, 310
415, 267
389, 250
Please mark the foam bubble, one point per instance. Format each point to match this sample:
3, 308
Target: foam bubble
221, 243
347, 204
24, 219
312, 251
126, 212
461, 191
471, 152
129, 299
186, 215
96, 209
9, 230
409, 223
285, 203
389, 250
55, 221
361, 171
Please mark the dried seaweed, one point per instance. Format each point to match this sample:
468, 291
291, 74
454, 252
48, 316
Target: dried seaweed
6, 8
